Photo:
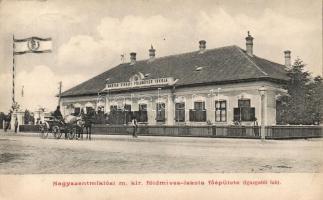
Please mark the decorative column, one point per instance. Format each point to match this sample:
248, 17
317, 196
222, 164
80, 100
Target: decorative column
262, 92
171, 109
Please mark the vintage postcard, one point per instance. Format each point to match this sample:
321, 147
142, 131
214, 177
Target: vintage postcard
152, 99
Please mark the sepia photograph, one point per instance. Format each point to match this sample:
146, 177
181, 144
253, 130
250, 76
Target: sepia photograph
150, 93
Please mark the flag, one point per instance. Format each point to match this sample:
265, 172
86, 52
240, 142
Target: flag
32, 45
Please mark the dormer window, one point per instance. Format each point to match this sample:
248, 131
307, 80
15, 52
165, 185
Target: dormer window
198, 68
147, 75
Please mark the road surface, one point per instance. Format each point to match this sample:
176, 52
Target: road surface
28, 154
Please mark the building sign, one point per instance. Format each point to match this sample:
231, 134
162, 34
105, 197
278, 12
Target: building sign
140, 83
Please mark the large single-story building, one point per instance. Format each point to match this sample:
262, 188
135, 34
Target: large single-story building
207, 86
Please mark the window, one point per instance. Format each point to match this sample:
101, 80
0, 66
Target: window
127, 113
89, 109
180, 112
113, 108
77, 110
120, 115
198, 114
243, 103
101, 109
160, 112
127, 107
142, 113
199, 105
220, 111
142, 107
244, 112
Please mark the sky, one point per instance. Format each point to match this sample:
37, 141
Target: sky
89, 36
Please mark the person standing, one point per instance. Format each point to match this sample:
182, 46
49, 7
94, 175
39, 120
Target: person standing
89, 119
8, 120
256, 127
134, 124
16, 125
57, 113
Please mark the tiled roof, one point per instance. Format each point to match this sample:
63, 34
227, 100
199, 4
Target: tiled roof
220, 65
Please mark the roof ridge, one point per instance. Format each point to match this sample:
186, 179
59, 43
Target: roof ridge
262, 71
83, 82
273, 62
180, 54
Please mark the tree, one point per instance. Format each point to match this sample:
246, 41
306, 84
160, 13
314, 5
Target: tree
304, 100
2, 117
315, 100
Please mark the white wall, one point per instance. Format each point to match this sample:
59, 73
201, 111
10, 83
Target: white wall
229, 92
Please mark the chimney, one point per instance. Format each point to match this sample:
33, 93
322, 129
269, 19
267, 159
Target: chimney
132, 58
288, 63
152, 53
202, 46
249, 44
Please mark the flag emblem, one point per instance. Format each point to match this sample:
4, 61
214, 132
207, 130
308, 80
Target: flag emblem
32, 45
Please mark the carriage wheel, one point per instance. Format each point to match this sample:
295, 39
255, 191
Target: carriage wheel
43, 131
72, 133
56, 132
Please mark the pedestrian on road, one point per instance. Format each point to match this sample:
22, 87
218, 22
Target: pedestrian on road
255, 127
134, 124
7, 122
16, 125
89, 119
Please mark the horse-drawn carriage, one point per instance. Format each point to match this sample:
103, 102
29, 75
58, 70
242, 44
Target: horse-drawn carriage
71, 126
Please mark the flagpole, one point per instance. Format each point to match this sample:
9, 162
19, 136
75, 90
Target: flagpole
13, 72
59, 92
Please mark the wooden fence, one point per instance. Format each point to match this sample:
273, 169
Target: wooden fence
28, 128
286, 132
272, 132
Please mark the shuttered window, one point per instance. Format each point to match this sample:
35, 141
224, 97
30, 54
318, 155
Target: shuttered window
89, 109
77, 110
142, 115
199, 105
113, 108
180, 112
244, 112
160, 112
198, 114
220, 111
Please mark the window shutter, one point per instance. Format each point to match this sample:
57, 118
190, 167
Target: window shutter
192, 115
236, 114
252, 114
77, 111
204, 116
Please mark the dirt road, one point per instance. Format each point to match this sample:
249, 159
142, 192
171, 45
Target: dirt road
25, 154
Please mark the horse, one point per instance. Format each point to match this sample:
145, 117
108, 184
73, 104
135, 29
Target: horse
89, 119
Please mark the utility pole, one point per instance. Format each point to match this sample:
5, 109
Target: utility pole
59, 92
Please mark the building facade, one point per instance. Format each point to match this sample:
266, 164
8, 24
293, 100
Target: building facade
218, 86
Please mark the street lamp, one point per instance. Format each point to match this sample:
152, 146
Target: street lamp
262, 91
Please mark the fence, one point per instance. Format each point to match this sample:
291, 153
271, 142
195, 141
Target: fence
272, 132
28, 128
285, 132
